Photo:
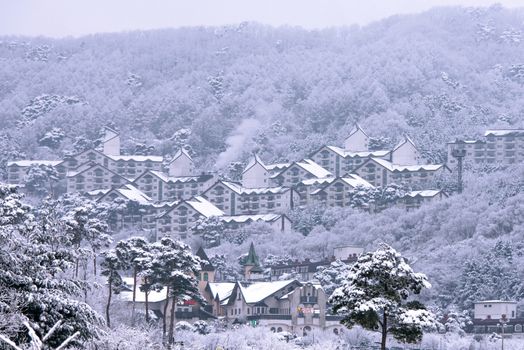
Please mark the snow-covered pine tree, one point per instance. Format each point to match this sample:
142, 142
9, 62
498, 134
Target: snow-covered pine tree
176, 267
111, 267
374, 295
132, 253
33, 273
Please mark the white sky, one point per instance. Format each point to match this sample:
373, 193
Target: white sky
58, 18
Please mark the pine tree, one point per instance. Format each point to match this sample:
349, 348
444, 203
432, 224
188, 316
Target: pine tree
111, 267
33, 274
175, 266
374, 295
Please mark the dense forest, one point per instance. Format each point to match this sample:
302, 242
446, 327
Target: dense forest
446, 73
224, 92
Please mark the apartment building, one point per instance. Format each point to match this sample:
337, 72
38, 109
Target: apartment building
234, 199
499, 147
380, 172
336, 193
299, 171
93, 176
163, 187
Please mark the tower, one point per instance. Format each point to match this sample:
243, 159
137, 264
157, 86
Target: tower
255, 175
111, 142
181, 164
252, 269
357, 141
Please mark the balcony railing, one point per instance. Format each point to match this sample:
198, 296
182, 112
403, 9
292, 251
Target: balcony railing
308, 299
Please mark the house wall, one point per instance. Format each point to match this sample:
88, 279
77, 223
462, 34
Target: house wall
357, 142
495, 310
182, 166
406, 154
95, 178
292, 176
379, 176
112, 146
504, 150
255, 177
178, 221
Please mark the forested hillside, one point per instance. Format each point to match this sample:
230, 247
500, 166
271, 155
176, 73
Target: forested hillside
446, 73
225, 92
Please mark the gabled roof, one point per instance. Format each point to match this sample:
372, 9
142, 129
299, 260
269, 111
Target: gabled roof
309, 166
402, 168
205, 265
238, 189
253, 161
257, 292
90, 165
277, 166
363, 154
174, 179
504, 132
317, 181
28, 163
355, 129
179, 153
354, 180
131, 193
252, 218
109, 134
137, 158
425, 193
200, 205
222, 290
406, 139
458, 142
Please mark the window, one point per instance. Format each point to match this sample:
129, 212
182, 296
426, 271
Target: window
206, 276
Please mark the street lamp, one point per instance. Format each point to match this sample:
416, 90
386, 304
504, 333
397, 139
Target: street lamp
502, 323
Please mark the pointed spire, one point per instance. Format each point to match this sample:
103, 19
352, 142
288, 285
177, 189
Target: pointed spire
205, 264
252, 257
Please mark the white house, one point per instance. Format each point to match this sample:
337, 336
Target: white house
495, 310
181, 165
111, 142
255, 175
406, 153
357, 141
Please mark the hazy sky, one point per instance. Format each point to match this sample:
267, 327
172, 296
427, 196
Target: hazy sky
59, 18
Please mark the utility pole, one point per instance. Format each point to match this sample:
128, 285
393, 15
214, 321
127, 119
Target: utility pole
503, 320
459, 154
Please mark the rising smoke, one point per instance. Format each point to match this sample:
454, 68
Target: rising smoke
238, 142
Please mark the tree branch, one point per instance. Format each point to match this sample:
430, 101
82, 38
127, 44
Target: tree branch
9, 342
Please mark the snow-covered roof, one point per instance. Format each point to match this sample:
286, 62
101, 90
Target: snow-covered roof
317, 181
28, 163
223, 289
277, 166
254, 160
204, 207
134, 194
465, 142
109, 134
395, 167
354, 180
89, 165
423, 193
100, 192
235, 187
495, 302
356, 128
313, 168
140, 297
177, 179
137, 158
247, 218
362, 154
504, 132
259, 291
179, 153
406, 139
